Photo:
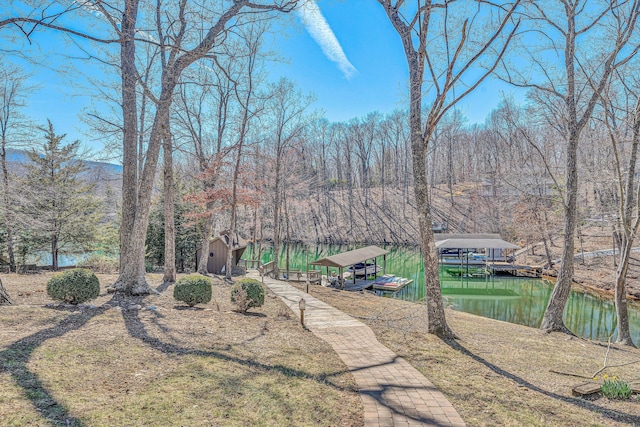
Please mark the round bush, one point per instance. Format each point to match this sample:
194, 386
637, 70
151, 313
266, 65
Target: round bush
74, 286
192, 290
247, 293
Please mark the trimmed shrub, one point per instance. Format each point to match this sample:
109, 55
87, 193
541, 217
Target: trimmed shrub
74, 286
247, 293
192, 290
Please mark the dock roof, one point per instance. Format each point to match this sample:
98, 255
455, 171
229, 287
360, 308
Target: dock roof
346, 259
472, 241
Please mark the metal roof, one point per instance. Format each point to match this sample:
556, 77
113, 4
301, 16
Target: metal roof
346, 259
238, 242
472, 241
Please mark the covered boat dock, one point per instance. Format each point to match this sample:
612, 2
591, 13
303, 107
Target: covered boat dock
347, 259
493, 259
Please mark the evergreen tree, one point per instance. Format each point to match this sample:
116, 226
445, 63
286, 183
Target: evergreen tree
187, 231
59, 206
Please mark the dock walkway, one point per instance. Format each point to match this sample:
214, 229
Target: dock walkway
393, 392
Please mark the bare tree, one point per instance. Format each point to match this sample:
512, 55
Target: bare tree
187, 47
137, 192
252, 40
169, 212
4, 296
628, 191
570, 90
519, 141
202, 118
13, 91
286, 120
434, 55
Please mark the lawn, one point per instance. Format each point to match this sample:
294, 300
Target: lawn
153, 361
497, 373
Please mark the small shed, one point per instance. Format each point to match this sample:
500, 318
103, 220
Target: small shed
218, 247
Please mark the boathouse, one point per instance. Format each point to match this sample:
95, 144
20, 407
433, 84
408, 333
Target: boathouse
218, 248
492, 244
346, 259
458, 253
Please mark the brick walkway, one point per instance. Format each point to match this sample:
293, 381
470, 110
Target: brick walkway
393, 393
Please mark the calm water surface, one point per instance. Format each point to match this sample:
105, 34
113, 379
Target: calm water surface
515, 300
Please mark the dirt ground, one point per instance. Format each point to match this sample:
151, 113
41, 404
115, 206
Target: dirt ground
594, 273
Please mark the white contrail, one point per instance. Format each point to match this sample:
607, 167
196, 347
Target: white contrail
319, 30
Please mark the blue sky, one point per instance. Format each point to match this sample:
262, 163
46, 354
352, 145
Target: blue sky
373, 79
372, 46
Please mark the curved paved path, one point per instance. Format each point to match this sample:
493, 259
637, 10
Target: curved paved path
393, 392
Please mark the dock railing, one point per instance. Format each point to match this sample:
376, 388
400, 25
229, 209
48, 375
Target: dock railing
312, 276
291, 275
315, 276
267, 268
252, 264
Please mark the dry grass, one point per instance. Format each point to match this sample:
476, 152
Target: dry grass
164, 364
212, 366
498, 373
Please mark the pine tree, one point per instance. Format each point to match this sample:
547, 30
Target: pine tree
59, 205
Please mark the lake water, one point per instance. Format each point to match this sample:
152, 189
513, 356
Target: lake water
507, 298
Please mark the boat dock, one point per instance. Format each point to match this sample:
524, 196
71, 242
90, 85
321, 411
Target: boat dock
359, 285
479, 268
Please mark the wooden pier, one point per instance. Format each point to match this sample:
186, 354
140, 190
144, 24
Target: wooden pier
299, 276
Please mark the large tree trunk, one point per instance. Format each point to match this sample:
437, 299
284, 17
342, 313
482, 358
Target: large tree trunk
4, 296
624, 334
598, 80
552, 320
130, 128
437, 323
169, 214
132, 280
8, 216
204, 242
54, 252
234, 206
629, 203
276, 221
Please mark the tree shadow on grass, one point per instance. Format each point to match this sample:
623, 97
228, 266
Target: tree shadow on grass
136, 329
396, 407
164, 286
187, 308
249, 313
15, 358
581, 403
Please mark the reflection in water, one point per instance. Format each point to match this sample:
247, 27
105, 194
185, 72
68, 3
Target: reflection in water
507, 298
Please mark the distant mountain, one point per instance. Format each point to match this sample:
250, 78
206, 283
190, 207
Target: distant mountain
21, 156
107, 177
